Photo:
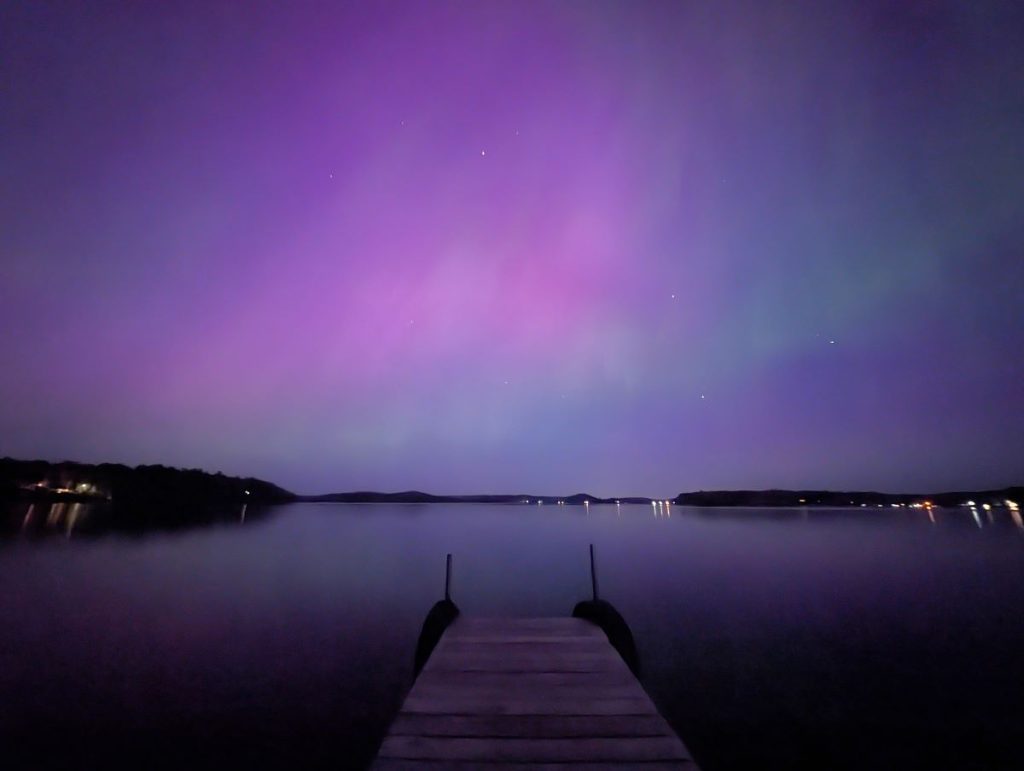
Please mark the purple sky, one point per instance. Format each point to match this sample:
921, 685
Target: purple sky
628, 248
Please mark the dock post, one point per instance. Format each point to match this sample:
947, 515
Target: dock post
593, 573
438, 619
448, 578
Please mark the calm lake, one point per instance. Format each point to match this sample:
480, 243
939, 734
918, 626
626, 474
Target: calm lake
796, 639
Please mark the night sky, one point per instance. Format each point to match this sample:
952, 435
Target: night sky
627, 248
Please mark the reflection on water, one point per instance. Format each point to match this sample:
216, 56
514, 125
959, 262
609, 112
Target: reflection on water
75, 512
27, 519
72, 518
58, 518
789, 638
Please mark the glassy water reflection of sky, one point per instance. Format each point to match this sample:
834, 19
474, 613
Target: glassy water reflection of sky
816, 638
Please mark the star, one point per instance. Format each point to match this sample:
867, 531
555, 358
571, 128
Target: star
483, 153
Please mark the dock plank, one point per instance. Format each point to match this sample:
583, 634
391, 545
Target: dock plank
538, 705
537, 692
549, 627
537, 680
539, 726
456, 649
483, 630
467, 685
533, 750
518, 661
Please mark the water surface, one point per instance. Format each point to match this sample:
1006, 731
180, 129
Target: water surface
803, 639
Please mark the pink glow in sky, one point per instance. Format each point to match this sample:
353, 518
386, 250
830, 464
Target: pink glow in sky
544, 247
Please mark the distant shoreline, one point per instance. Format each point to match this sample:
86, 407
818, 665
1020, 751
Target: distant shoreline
1009, 496
162, 485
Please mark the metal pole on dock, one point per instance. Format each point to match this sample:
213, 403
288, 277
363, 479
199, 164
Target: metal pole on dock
448, 578
593, 573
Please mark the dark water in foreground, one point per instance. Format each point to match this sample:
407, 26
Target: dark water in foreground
792, 640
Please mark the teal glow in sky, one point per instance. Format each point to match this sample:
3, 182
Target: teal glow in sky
628, 248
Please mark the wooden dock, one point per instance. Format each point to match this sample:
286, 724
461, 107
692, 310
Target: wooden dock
515, 693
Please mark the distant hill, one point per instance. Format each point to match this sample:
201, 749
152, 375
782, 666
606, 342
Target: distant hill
831, 498
710, 498
125, 485
415, 496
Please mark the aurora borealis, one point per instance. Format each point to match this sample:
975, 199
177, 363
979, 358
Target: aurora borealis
627, 248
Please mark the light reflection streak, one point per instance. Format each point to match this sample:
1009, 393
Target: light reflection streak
56, 512
72, 518
28, 517
661, 509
